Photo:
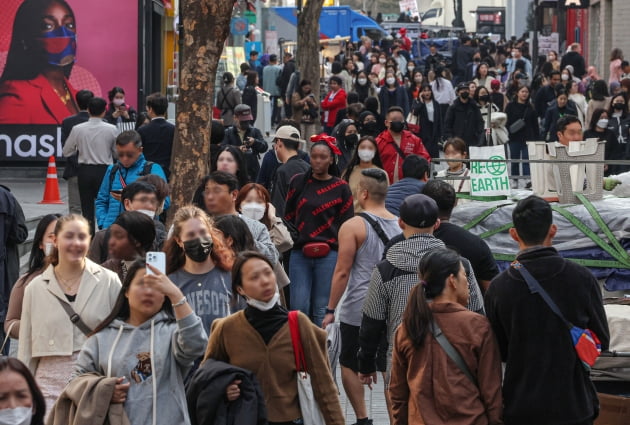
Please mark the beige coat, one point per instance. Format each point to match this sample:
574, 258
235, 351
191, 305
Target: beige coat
86, 401
46, 329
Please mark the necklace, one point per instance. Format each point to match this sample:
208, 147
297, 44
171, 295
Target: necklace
66, 98
69, 283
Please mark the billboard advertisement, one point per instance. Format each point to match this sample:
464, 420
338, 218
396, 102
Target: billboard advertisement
49, 50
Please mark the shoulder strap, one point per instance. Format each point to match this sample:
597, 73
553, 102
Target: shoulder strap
376, 226
298, 351
112, 173
535, 288
225, 98
74, 317
146, 170
400, 152
6, 338
451, 352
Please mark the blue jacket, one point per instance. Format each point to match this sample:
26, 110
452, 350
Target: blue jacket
107, 208
397, 193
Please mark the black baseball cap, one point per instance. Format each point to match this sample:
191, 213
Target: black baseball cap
419, 211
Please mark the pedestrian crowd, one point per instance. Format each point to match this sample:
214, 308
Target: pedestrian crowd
340, 221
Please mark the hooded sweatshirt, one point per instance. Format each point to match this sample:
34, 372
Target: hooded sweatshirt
154, 357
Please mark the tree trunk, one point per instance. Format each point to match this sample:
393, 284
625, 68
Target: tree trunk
205, 26
308, 47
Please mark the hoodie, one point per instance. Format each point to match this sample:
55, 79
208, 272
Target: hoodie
154, 357
391, 282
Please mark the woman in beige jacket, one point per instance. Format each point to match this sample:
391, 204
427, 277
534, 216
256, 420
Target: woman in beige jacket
49, 340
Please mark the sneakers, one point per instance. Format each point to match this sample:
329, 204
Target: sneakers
364, 422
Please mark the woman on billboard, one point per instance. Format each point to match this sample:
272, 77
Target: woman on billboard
34, 86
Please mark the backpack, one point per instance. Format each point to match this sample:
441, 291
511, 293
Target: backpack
145, 171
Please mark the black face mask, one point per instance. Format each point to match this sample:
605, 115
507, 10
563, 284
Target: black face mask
244, 125
352, 139
619, 106
484, 98
370, 128
464, 95
198, 249
397, 126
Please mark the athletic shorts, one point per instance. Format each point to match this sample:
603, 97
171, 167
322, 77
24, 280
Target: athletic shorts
350, 347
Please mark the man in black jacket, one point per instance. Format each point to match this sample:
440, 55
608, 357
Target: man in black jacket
285, 76
157, 136
545, 382
286, 143
71, 170
463, 118
574, 57
469, 245
547, 94
247, 138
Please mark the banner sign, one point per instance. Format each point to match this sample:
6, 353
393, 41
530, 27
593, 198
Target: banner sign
488, 178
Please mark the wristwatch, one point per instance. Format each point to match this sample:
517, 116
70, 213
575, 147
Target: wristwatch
330, 311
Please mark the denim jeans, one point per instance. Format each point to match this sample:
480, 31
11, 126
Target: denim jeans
518, 150
311, 279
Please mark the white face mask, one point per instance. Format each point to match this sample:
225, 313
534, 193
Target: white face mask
16, 416
253, 210
150, 213
390, 81
362, 81
603, 123
48, 248
264, 306
381, 60
564, 77
366, 154
118, 102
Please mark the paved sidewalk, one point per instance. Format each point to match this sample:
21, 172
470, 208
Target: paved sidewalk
30, 191
374, 402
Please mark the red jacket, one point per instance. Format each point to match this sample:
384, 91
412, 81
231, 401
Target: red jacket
409, 144
332, 106
32, 102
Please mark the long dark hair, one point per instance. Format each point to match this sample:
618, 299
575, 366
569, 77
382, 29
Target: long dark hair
354, 161
26, 58
36, 261
233, 226
597, 113
121, 308
39, 403
241, 173
435, 267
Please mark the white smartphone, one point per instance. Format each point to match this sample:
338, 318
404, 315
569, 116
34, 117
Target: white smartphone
157, 260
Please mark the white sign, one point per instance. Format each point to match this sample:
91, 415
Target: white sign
271, 43
489, 178
409, 7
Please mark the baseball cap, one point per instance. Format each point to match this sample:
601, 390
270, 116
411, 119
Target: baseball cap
462, 86
419, 211
243, 112
288, 132
495, 84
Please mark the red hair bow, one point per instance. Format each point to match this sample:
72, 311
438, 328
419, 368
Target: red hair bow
329, 140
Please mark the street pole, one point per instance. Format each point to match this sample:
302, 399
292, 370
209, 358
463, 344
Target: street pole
535, 41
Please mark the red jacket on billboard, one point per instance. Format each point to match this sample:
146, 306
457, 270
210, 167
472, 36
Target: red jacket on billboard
409, 144
33, 102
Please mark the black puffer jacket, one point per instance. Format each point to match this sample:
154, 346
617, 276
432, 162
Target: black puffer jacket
464, 120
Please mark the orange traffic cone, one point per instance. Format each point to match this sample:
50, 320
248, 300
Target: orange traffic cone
51, 191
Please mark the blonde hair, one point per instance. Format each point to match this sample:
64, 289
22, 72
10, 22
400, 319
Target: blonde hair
53, 258
175, 256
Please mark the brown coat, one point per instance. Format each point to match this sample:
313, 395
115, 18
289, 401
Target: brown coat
427, 387
86, 401
233, 340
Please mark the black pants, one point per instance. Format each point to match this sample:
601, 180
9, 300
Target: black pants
276, 116
89, 179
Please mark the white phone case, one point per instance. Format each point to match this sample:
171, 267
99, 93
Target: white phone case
157, 260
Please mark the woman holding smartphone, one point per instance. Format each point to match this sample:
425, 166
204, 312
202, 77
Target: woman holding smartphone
152, 332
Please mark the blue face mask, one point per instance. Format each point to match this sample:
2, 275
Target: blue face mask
60, 46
